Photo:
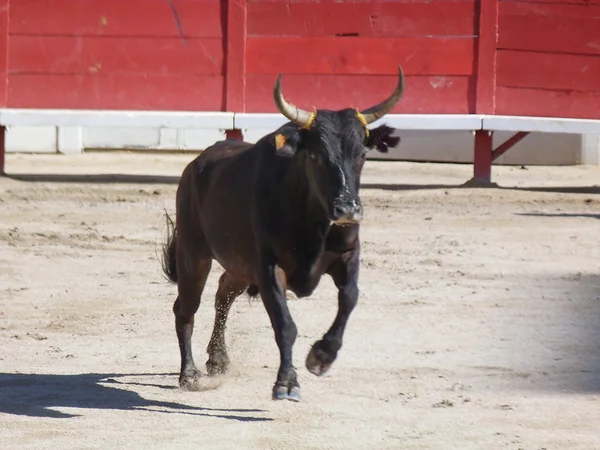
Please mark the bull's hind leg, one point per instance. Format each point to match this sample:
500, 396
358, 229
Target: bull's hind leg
190, 286
229, 289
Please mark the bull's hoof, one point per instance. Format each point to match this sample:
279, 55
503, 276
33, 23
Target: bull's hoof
318, 360
190, 381
291, 393
217, 366
196, 382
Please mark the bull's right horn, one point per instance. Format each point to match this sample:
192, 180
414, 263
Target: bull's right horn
378, 111
296, 115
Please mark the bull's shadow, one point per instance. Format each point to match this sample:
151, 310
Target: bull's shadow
116, 178
562, 352
36, 395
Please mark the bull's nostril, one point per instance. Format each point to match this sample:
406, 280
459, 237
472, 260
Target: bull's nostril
339, 211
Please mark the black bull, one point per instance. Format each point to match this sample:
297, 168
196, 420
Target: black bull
277, 215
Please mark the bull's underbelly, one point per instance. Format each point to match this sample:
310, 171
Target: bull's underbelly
235, 257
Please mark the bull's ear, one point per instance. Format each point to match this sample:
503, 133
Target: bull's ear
381, 138
286, 143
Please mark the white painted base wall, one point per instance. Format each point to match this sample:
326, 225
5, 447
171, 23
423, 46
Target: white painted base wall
457, 146
420, 145
25, 139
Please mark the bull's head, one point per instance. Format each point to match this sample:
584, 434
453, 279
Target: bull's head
331, 146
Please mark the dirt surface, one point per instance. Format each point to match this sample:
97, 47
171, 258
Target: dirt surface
478, 324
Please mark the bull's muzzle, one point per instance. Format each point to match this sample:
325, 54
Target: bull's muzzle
346, 213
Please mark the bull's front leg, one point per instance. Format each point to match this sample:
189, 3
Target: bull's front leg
344, 273
273, 294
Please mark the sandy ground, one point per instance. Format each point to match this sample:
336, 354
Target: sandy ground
478, 325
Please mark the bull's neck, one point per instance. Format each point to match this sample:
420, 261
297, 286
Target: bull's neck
306, 210
310, 221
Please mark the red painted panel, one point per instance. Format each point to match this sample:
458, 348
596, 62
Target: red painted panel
4, 24
568, 30
72, 55
384, 18
543, 103
550, 2
422, 95
548, 70
4, 18
199, 18
377, 56
117, 91
545, 9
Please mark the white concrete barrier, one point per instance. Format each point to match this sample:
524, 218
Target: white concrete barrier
425, 137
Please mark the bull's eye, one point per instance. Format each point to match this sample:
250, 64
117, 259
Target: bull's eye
314, 157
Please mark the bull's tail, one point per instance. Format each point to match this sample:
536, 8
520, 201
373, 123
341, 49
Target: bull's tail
252, 291
168, 262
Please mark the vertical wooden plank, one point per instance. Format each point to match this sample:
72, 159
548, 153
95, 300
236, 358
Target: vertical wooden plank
487, 12
235, 69
485, 90
482, 162
4, 5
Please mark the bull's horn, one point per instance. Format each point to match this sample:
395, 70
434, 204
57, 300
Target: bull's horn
297, 115
378, 111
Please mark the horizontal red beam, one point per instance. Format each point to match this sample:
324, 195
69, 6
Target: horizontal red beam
82, 55
365, 56
549, 28
117, 91
549, 2
198, 18
442, 95
546, 103
381, 18
548, 71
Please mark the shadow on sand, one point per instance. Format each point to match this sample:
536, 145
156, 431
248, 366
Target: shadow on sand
94, 178
554, 189
167, 179
561, 352
36, 395
579, 369
581, 215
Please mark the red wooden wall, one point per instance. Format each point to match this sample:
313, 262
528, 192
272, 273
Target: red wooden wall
347, 53
525, 57
548, 59
115, 54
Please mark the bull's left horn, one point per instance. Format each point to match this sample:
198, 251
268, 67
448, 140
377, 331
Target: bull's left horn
380, 110
297, 115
